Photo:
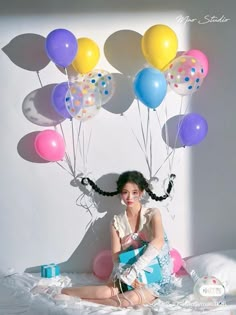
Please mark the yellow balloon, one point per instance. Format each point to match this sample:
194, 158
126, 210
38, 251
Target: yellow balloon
159, 45
87, 55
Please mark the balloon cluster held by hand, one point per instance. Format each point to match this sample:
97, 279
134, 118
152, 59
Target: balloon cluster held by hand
184, 75
83, 99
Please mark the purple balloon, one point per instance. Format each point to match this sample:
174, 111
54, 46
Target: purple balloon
193, 129
58, 99
61, 47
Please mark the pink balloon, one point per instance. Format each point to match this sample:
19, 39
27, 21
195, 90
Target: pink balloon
201, 57
177, 260
102, 265
50, 145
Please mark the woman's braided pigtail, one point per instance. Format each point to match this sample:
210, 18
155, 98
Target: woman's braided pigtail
168, 190
87, 181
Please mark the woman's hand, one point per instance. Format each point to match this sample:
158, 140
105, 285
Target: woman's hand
137, 285
129, 275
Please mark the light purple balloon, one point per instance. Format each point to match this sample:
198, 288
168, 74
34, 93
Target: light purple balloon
193, 129
61, 47
58, 99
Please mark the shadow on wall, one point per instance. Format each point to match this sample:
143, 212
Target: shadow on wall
26, 149
27, 51
97, 237
122, 50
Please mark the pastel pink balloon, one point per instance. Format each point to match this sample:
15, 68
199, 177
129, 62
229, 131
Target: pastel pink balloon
177, 260
201, 57
102, 265
50, 145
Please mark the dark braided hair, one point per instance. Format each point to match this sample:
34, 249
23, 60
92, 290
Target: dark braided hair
131, 177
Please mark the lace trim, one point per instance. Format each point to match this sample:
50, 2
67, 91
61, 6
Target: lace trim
115, 223
117, 226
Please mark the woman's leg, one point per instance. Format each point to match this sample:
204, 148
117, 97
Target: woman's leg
129, 298
92, 292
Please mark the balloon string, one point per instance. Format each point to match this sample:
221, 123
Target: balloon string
150, 153
73, 144
67, 158
144, 139
72, 126
83, 149
64, 168
167, 150
149, 138
139, 143
141, 123
147, 127
167, 135
88, 146
168, 156
40, 81
179, 126
78, 144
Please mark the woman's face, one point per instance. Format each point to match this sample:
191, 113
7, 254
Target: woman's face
131, 194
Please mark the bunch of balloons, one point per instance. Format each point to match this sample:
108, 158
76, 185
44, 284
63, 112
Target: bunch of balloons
184, 75
64, 49
82, 99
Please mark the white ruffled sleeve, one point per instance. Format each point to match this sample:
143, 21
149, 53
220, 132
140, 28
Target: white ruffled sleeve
115, 222
119, 224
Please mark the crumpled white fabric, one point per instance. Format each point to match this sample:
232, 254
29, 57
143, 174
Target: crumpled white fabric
51, 285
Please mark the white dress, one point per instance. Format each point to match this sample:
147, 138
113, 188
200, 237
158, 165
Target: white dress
143, 235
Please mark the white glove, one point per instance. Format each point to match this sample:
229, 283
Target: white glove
130, 274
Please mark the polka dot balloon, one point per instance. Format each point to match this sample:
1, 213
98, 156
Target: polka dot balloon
104, 81
82, 100
209, 290
185, 75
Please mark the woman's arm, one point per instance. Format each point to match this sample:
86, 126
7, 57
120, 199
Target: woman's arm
151, 251
115, 243
157, 230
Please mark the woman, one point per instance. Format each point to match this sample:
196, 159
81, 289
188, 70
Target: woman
135, 225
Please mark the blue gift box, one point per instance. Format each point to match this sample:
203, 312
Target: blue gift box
49, 271
151, 273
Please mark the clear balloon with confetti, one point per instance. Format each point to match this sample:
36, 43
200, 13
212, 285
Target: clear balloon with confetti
104, 81
83, 100
185, 75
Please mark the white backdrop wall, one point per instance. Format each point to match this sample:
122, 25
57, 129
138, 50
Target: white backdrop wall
42, 220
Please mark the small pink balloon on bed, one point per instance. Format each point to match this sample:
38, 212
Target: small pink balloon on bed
177, 260
102, 265
201, 57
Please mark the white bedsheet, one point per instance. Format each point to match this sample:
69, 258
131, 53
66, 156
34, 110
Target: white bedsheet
16, 298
